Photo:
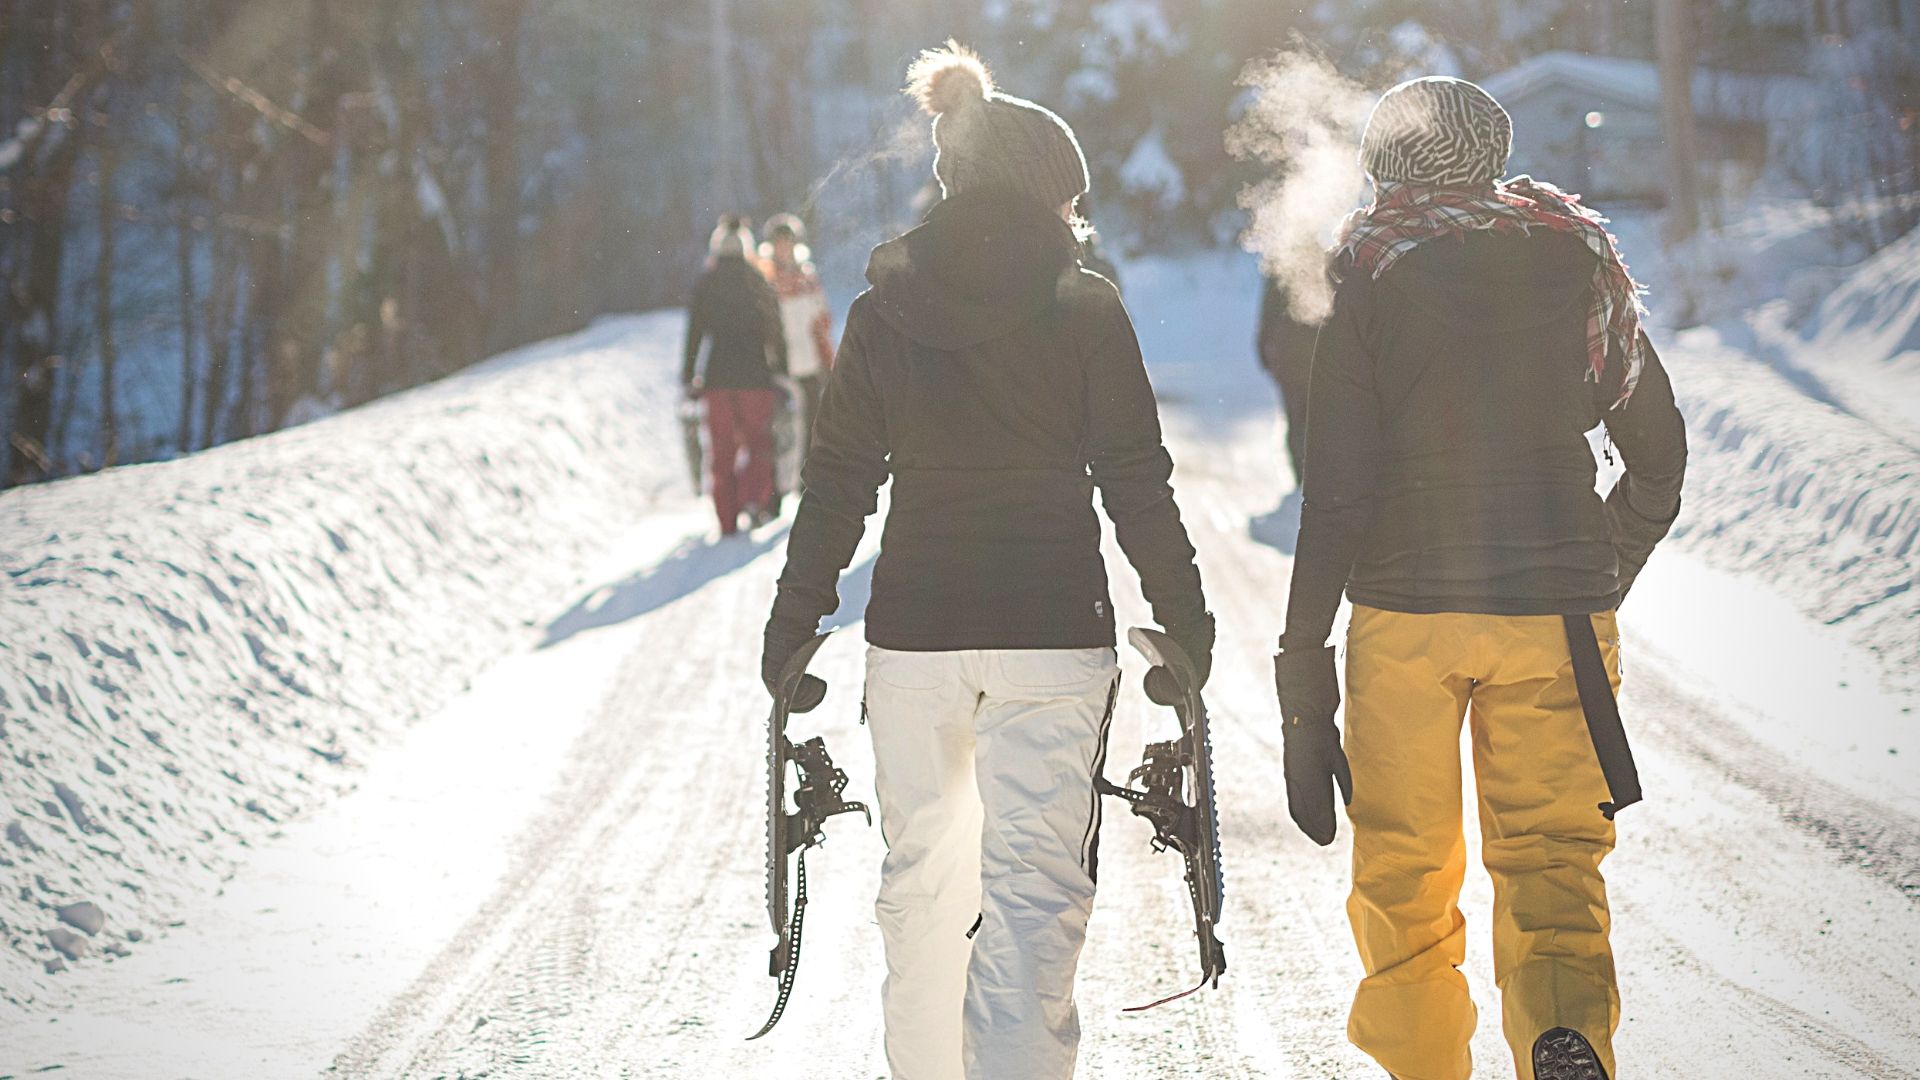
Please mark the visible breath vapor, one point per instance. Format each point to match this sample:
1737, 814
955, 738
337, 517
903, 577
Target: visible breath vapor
1303, 121
901, 140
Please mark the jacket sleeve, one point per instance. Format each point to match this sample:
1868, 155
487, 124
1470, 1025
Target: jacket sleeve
696, 331
843, 474
1133, 471
1652, 438
1265, 348
1342, 467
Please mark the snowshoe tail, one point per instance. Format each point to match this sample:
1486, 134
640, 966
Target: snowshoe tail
1173, 789
816, 797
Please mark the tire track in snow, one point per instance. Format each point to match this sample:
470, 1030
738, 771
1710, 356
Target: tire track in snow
536, 899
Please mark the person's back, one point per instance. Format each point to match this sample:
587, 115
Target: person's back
733, 309
1485, 499
1480, 328
1003, 365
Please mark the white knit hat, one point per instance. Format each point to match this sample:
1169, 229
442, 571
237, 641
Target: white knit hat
732, 236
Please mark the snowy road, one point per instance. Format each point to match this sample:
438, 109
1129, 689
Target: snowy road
560, 875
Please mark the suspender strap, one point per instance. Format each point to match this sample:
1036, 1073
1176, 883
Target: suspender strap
1603, 716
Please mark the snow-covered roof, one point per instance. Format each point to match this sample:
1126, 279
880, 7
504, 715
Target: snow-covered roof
1724, 95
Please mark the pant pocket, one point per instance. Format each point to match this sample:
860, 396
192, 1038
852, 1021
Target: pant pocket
906, 670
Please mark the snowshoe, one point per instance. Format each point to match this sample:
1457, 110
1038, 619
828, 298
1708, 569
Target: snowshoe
1565, 1054
816, 797
1173, 789
691, 415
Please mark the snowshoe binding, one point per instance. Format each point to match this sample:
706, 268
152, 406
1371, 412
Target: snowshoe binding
1564, 1054
816, 797
1173, 789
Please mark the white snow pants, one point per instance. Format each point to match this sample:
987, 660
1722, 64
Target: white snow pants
984, 767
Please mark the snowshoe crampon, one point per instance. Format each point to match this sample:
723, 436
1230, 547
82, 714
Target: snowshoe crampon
816, 797
1173, 789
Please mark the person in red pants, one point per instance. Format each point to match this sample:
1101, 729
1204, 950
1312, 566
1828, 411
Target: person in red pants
735, 315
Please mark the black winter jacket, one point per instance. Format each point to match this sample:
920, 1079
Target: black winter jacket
735, 307
1448, 467
998, 384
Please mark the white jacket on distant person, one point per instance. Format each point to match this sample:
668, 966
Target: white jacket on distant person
804, 316
801, 313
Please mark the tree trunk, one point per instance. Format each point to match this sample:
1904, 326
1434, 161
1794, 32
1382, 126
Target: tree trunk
726, 146
501, 116
108, 215
222, 290
183, 187
1673, 31
298, 330
43, 187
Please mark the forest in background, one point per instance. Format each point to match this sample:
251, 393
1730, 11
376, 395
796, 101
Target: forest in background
222, 217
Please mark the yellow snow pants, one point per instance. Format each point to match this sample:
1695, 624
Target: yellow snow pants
1410, 681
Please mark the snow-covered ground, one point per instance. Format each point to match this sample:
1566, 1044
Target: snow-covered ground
194, 652
557, 873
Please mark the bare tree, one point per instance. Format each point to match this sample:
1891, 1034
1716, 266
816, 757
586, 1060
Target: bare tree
108, 214
1673, 31
183, 219
501, 116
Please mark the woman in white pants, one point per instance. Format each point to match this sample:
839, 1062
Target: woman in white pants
998, 384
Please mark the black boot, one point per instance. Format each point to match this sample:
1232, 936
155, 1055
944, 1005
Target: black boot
1565, 1054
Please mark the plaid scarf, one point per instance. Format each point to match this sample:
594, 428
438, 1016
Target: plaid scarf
1404, 216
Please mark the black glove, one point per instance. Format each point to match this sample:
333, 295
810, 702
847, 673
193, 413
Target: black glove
1309, 694
779, 644
1197, 641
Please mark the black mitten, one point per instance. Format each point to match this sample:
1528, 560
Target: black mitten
1309, 691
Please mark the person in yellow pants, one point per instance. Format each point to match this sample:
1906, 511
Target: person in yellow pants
1450, 493
1411, 679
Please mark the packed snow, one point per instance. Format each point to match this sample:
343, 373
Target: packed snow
557, 872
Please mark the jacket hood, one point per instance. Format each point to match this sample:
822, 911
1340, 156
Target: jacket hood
981, 264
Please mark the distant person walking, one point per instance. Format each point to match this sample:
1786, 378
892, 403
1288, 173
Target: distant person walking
1285, 346
999, 385
735, 315
1480, 329
804, 317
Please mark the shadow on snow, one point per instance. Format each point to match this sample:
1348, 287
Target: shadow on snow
1279, 527
691, 565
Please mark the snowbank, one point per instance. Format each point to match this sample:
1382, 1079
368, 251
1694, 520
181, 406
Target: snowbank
192, 651
1862, 338
1802, 399
1802, 496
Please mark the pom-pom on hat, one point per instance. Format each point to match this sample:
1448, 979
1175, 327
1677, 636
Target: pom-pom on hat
1437, 130
984, 138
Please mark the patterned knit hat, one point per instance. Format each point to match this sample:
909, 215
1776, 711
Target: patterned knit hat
1437, 130
986, 139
